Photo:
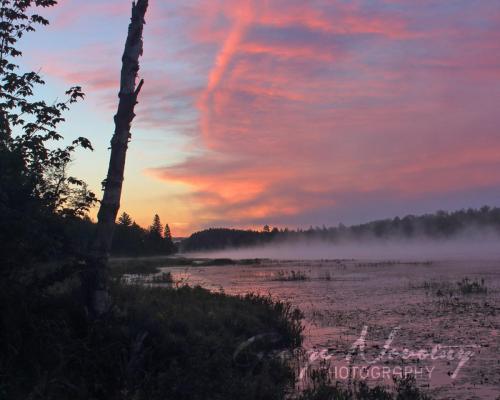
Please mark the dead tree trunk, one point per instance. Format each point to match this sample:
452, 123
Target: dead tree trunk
96, 273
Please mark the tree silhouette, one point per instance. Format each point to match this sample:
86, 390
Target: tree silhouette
435, 226
96, 276
156, 228
35, 120
130, 239
167, 233
35, 189
125, 219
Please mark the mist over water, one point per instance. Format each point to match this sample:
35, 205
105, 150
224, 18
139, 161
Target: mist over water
470, 246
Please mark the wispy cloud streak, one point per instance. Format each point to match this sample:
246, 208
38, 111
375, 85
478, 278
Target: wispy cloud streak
296, 111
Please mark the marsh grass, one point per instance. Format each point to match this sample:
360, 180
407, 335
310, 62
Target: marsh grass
133, 266
214, 262
253, 261
226, 261
145, 279
389, 263
445, 289
164, 277
156, 343
467, 286
152, 265
324, 389
289, 276
325, 276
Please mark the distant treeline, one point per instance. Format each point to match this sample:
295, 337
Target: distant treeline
129, 239
441, 224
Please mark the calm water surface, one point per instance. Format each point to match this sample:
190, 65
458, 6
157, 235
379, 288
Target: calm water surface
422, 304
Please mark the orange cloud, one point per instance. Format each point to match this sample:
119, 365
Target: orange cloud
314, 111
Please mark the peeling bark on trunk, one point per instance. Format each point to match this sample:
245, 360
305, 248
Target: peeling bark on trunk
96, 273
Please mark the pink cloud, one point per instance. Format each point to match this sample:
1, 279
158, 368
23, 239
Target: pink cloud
296, 105
69, 13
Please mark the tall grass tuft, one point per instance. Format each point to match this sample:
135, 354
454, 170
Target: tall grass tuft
287, 276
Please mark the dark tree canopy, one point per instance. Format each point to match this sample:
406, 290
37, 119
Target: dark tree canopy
132, 240
28, 125
440, 225
36, 191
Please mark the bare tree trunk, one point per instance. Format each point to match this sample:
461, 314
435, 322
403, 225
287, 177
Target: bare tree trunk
96, 273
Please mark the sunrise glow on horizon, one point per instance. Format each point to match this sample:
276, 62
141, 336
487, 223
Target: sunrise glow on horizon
287, 113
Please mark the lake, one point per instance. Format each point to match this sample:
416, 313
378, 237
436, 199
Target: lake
436, 320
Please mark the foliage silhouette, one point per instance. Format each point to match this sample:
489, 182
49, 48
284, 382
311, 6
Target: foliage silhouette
440, 225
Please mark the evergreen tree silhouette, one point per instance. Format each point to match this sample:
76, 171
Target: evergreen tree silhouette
125, 219
167, 233
156, 228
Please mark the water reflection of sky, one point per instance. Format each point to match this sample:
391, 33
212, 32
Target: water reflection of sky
339, 298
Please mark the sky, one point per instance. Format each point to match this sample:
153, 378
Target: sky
285, 112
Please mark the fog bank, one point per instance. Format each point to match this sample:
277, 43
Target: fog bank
477, 247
